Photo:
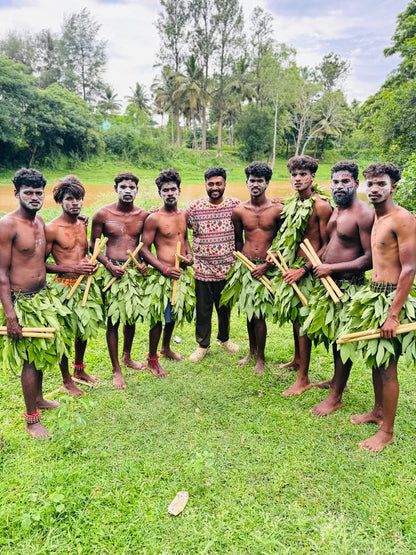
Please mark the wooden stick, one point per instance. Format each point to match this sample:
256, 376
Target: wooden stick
327, 286
124, 266
331, 282
251, 265
81, 277
266, 282
32, 334
83, 382
89, 278
373, 334
282, 260
133, 259
301, 296
175, 283
35, 330
181, 257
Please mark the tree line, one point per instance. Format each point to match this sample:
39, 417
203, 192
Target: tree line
214, 86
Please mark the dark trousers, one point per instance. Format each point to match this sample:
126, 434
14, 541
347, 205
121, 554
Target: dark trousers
208, 294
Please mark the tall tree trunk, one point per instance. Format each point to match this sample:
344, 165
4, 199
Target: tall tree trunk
194, 130
172, 131
276, 106
204, 128
316, 146
178, 130
219, 140
33, 151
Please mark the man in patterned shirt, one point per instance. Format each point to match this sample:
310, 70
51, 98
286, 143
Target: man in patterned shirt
213, 244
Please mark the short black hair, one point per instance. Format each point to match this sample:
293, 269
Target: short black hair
126, 176
168, 176
380, 168
303, 162
214, 171
29, 178
68, 184
346, 165
259, 169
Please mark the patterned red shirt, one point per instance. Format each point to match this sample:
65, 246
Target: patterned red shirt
213, 237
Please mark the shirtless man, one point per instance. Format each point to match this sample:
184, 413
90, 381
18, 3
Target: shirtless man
258, 219
66, 240
164, 229
122, 222
393, 244
346, 257
22, 270
302, 173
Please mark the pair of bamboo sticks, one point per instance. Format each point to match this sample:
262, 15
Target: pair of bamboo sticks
334, 291
97, 248
283, 267
251, 266
132, 257
46, 333
373, 334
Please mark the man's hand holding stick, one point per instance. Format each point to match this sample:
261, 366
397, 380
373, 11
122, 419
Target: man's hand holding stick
334, 291
284, 268
91, 261
251, 266
124, 266
175, 283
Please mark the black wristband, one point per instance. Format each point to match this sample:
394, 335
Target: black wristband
304, 267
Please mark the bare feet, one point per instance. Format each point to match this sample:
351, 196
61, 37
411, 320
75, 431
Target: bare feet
328, 384
44, 404
246, 359
82, 375
126, 360
259, 368
118, 380
168, 353
297, 388
325, 407
38, 430
71, 389
293, 365
155, 368
377, 442
376, 418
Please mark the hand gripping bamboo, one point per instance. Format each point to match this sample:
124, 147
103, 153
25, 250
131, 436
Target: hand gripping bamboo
175, 283
365, 335
282, 269
81, 277
251, 266
331, 282
89, 278
324, 280
124, 266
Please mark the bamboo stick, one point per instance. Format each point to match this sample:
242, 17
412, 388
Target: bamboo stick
301, 296
81, 277
282, 260
181, 257
32, 334
331, 282
252, 266
89, 278
124, 266
35, 330
374, 334
266, 282
324, 280
133, 259
175, 283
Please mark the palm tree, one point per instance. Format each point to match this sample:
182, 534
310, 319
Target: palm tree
166, 99
138, 103
108, 103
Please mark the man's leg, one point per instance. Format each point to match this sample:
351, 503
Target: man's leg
390, 396
126, 360
68, 384
376, 415
302, 383
223, 316
152, 358
204, 306
112, 344
260, 330
79, 366
166, 350
30, 387
252, 343
334, 399
294, 363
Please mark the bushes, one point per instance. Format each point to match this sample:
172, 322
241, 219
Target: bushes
405, 193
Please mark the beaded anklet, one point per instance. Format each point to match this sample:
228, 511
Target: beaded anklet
32, 418
78, 366
153, 360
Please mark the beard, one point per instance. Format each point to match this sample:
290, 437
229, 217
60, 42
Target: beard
342, 199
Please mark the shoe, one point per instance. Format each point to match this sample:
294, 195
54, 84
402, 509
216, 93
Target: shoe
199, 354
229, 346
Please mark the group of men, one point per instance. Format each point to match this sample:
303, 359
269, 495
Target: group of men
158, 285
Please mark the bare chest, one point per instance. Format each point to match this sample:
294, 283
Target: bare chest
30, 241
343, 227
131, 227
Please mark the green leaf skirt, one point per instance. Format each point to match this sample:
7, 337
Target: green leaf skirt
368, 310
250, 296
157, 291
83, 322
287, 302
41, 310
323, 320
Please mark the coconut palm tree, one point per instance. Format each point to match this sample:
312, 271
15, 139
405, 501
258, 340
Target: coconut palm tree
167, 100
138, 103
108, 103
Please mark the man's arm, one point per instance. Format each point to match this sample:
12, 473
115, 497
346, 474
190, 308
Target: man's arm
188, 250
7, 233
238, 228
83, 266
97, 231
406, 240
148, 237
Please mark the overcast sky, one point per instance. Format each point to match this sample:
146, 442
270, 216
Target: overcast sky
357, 30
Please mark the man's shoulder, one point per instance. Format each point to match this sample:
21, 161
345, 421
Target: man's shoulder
197, 203
402, 216
233, 201
101, 212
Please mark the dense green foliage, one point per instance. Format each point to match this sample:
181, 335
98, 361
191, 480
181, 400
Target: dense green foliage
405, 194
